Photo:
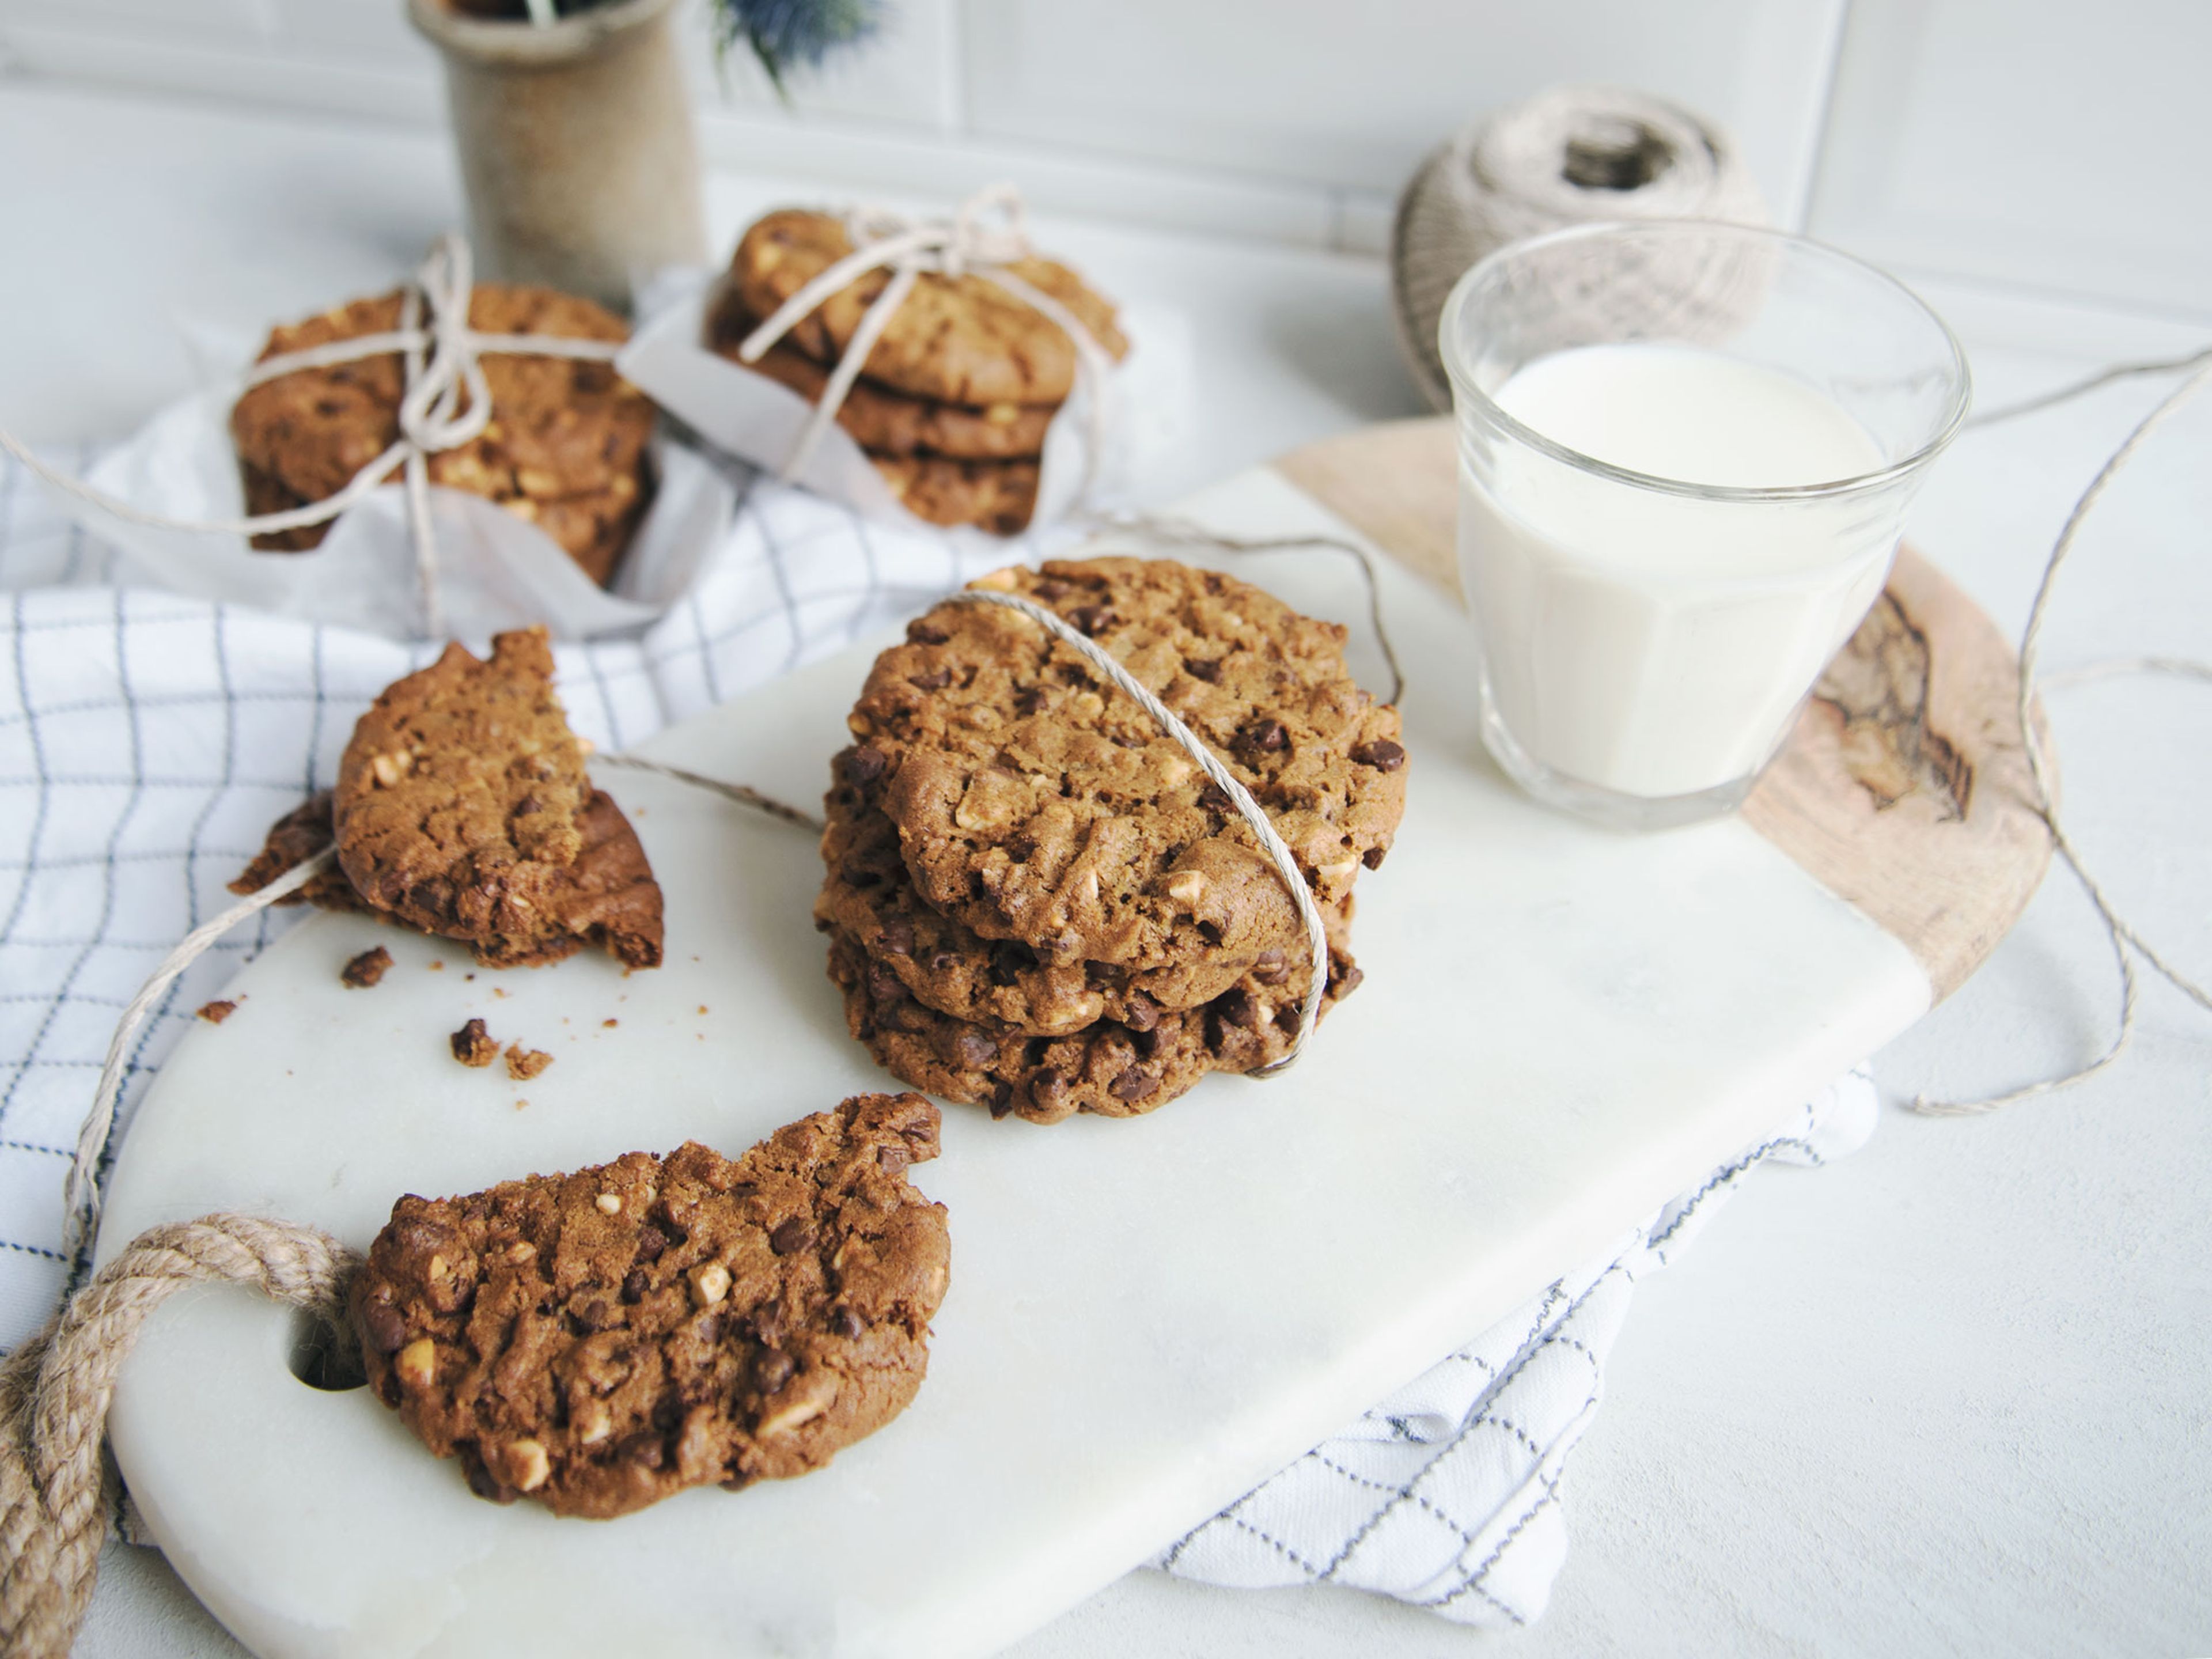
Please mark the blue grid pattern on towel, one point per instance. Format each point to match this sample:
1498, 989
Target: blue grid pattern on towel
148, 740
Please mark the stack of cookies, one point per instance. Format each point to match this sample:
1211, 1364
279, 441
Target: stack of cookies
1036, 901
956, 395
566, 448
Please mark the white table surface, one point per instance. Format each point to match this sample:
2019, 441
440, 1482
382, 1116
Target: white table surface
1954, 1394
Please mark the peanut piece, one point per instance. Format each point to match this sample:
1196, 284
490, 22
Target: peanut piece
609, 1203
390, 768
1004, 580
710, 1283
416, 1365
1186, 887
528, 1467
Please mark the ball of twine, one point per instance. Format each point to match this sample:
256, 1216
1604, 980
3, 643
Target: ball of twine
1571, 155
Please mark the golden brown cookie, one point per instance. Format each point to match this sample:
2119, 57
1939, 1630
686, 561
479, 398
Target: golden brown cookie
462, 809
868, 898
1036, 802
957, 340
566, 447
887, 423
597, 1341
997, 496
1112, 1068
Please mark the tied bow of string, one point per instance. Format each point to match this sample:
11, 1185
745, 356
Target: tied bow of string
446, 404
985, 238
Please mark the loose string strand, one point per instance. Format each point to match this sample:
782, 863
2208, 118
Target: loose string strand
2127, 944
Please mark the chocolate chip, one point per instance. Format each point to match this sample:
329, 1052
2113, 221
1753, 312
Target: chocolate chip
1002, 1100
1266, 735
1146, 1043
633, 1287
974, 1050
772, 1368
1134, 1084
1343, 980
943, 962
1214, 799
1237, 1007
1090, 617
791, 1234
643, 1449
925, 632
1029, 700
884, 985
1105, 975
936, 680
1198, 669
897, 938
1382, 754
1372, 858
381, 1324
1047, 1089
846, 1324
893, 1158
651, 1241
1008, 959
1052, 592
486, 1484
1142, 1014
1269, 968
865, 765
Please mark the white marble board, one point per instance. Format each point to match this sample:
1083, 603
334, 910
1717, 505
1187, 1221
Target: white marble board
1560, 1028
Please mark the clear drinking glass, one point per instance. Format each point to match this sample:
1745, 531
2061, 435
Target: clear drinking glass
1646, 638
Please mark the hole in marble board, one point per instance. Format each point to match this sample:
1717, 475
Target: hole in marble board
321, 1358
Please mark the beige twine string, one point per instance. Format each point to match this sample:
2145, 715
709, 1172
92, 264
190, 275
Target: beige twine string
2127, 944
54, 1390
1249, 810
968, 243
431, 416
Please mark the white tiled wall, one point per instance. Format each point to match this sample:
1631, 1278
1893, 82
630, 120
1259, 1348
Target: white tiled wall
2043, 143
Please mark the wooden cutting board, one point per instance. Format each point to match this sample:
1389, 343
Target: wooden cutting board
1561, 1028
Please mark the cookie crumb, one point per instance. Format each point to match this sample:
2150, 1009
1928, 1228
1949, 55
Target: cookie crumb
499, 991
524, 1063
610, 1023
437, 964
215, 1012
474, 1046
702, 1007
365, 969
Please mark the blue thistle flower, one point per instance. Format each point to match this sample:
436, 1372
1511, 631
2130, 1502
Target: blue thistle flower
784, 33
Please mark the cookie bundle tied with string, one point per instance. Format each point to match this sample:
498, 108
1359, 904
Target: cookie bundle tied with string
448, 458
1096, 835
916, 368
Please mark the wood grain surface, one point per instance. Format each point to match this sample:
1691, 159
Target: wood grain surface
1905, 789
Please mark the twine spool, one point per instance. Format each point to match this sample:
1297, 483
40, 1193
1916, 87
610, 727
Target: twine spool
1571, 155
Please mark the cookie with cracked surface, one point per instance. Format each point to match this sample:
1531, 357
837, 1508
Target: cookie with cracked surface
868, 895
1111, 1068
462, 809
887, 423
997, 497
598, 1341
958, 340
566, 447
1036, 802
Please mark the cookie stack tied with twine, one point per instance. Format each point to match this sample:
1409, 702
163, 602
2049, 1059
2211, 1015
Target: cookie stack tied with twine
945, 352
1097, 836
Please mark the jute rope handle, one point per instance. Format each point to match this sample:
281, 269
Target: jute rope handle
442, 359
54, 1390
967, 243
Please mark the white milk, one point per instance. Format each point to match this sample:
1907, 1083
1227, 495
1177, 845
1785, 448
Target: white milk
1650, 642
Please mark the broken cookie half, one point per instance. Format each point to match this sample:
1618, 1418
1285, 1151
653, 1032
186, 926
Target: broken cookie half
462, 809
599, 1341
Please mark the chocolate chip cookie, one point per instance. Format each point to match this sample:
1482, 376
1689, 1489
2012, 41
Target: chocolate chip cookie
957, 340
1035, 802
1114, 1068
462, 809
566, 447
597, 1342
889, 423
868, 898
997, 496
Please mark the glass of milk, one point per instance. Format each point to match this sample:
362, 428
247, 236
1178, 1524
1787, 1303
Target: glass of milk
1686, 451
